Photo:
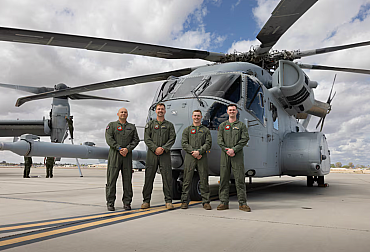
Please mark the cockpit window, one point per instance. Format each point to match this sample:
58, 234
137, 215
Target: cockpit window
226, 86
216, 114
254, 103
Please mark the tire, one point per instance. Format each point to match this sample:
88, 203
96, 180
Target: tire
320, 180
310, 181
194, 191
176, 186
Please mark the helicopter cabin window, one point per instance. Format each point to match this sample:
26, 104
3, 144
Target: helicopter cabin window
274, 114
215, 115
254, 103
226, 86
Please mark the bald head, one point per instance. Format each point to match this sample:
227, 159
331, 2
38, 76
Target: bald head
122, 115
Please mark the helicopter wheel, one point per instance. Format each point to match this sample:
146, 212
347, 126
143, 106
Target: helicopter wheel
321, 181
310, 181
194, 192
176, 185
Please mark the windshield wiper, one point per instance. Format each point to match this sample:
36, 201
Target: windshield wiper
205, 83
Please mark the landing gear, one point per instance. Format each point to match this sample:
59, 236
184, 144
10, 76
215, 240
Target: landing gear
310, 181
319, 179
194, 191
176, 185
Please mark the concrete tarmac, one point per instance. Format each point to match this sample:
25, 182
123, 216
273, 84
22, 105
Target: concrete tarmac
68, 213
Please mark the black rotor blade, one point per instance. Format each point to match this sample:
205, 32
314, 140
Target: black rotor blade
298, 55
340, 69
331, 90
92, 97
108, 84
317, 125
103, 45
322, 124
34, 90
282, 18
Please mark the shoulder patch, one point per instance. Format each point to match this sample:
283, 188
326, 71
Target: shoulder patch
107, 128
147, 125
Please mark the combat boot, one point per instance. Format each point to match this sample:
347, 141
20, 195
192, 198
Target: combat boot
184, 205
145, 205
127, 207
222, 206
169, 206
245, 208
207, 206
110, 207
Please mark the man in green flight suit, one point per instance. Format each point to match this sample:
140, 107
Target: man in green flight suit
159, 136
232, 137
49, 166
27, 167
196, 141
122, 138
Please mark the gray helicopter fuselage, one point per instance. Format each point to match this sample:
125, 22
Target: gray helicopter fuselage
210, 89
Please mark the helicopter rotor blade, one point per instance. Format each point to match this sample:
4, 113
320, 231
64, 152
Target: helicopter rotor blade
340, 69
88, 97
34, 90
298, 55
286, 13
108, 84
104, 45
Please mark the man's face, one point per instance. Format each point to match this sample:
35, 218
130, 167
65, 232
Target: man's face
122, 114
160, 110
197, 116
232, 111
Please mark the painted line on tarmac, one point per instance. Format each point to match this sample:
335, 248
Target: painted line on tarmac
79, 226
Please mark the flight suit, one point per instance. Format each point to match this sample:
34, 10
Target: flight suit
196, 138
117, 136
27, 167
233, 136
49, 167
158, 134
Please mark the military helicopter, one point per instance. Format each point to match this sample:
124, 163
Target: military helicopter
59, 123
274, 96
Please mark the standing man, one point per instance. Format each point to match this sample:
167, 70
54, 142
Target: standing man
232, 137
122, 138
50, 161
196, 140
27, 167
159, 136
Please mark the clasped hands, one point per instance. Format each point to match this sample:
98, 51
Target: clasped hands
159, 151
196, 154
230, 152
123, 152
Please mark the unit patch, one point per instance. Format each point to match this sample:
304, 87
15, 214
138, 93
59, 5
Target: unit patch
119, 128
227, 127
156, 126
107, 128
193, 131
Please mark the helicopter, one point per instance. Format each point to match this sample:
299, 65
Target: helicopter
59, 123
272, 93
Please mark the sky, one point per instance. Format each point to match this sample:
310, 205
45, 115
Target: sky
212, 25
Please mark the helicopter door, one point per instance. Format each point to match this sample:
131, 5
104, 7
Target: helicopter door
273, 140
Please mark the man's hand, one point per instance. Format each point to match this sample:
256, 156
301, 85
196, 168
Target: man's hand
230, 152
195, 154
199, 157
123, 152
159, 151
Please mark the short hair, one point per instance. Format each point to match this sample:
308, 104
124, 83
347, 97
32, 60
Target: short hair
232, 105
160, 104
197, 110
